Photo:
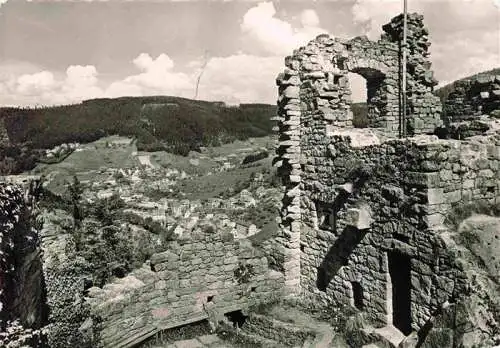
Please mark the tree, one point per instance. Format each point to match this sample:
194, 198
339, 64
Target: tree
75, 191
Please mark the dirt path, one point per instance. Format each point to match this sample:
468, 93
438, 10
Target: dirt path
325, 333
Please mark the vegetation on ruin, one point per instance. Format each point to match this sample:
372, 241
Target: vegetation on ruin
185, 332
244, 273
98, 236
67, 313
462, 211
17, 336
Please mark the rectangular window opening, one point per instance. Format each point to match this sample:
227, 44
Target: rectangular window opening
401, 238
357, 293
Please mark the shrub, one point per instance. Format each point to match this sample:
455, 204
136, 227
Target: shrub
244, 273
254, 157
105, 210
353, 326
462, 211
16, 336
67, 308
75, 190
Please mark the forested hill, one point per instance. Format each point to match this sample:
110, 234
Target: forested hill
159, 123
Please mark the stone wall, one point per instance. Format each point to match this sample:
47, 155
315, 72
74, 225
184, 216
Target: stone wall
472, 98
392, 197
196, 279
314, 100
357, 197
360, 202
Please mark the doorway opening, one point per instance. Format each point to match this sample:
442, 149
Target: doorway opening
357, 294
400, 291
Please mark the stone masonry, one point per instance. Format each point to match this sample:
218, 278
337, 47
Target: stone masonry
314, 99
194, 280
473, 97
363, 218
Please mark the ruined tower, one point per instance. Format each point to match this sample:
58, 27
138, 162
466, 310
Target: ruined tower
363, 210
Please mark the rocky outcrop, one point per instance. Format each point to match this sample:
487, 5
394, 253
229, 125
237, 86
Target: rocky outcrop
22, 296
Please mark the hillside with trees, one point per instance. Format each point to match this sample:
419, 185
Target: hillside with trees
173, 124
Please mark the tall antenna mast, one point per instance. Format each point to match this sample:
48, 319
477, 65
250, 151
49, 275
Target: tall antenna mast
404, 59
205, 62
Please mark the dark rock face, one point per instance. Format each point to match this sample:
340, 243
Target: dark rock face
21, 282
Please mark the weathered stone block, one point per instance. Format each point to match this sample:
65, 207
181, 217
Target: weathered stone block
292, 92
435, 196
361, 217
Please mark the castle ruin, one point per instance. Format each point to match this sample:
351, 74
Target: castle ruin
363, 218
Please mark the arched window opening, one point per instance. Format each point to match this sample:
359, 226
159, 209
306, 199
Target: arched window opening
367, 101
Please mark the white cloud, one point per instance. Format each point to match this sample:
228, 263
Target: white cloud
158, 77
463, 56
77, 75
241, 78
80, 83
448, 15
44, 88
465, 42
32, 84
372, 14
309, 18
276, 36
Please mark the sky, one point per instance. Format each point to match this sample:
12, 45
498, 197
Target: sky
64, 51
